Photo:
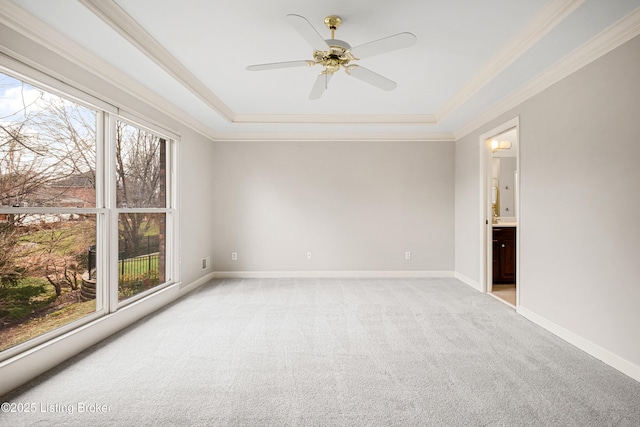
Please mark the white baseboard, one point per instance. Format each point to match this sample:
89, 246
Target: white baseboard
467, 281
628, 368
329, 274
195, 285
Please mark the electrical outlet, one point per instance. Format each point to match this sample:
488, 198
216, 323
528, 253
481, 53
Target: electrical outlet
407, 255
234, 256
309, 255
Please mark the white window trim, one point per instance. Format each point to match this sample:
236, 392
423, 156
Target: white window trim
38, 79
147, 125
105, 211
171, 252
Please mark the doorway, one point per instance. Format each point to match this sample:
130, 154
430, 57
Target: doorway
500, 213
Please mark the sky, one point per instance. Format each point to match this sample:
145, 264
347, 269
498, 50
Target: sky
14, 95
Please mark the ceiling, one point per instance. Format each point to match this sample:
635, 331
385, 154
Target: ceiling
471, 60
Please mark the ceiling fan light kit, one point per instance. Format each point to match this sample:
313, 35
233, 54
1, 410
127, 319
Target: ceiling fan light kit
333, 54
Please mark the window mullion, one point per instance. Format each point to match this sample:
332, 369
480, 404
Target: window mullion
111, 260
173, 253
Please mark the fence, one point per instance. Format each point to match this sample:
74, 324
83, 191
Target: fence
138, 265
134, 266
146, 245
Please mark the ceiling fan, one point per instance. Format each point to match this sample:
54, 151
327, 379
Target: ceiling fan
333, 54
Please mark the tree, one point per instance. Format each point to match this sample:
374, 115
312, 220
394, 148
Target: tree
140, 181
42, 142
45, 142
47, 153
10, 272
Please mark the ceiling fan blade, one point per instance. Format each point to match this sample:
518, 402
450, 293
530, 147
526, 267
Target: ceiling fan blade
384, 45
322, 81
370, 77
277, 65
307, 31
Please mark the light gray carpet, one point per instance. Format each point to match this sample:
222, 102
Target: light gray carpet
334, 352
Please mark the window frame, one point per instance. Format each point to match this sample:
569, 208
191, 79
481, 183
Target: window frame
106, 212
169, 210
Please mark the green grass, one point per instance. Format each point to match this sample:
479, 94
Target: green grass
65, 238
62, 240
23, 306
154, 227
33, 328
31, 307
154, 230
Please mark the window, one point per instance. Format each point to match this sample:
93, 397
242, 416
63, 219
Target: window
141, 198
48, 212
86, 214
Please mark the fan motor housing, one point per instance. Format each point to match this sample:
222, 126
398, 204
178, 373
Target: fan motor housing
337, 56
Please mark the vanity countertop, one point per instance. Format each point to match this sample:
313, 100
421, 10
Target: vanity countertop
505, 224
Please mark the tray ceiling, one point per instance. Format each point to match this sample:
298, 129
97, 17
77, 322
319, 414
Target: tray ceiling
472, 59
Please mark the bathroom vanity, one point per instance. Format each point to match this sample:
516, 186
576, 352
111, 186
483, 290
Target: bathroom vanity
504, 253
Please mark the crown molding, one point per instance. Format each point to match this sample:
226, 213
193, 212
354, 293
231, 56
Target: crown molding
21, 21
334, 136
29, 26
346, 119
115, 17
121, 22
547, 19
609, 39
39, 32
552, 14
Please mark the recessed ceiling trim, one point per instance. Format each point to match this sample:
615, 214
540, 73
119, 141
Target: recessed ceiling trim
333, 136
114, 16
552, 14
21, 21
352, 119
118, 19
548, 18
609, 39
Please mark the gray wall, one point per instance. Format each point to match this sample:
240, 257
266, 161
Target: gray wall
467, 211
579, 203
196, 207
357, 206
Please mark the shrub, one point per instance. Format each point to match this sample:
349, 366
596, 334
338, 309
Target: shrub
27, 295
130, 284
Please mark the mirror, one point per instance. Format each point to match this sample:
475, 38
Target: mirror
503, 176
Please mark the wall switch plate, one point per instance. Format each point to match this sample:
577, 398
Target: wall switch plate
309, 255
407, 255
234, 256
